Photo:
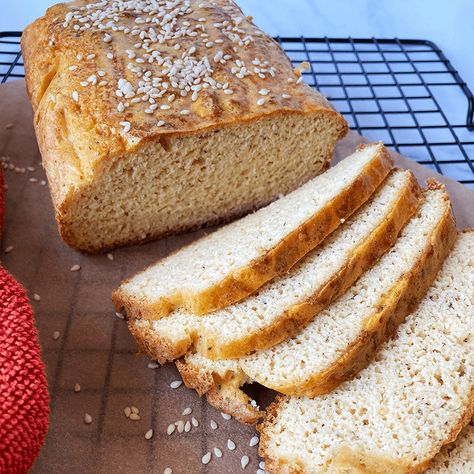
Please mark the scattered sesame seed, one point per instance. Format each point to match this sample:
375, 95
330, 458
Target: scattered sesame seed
286, 96
119, 315
126, 126
213, 425
107, 38
149, 434
120, 107
253, 441
91, 56
226, 416
110, 56
87, 419
134, 416
30, 168
187, 427
77, 388
75, 268
230, 444
75, 96
134, 410
206, 458
261, 471
36, 297
260, 101
72, 68
184, 112
43, 182
264, 92
33, 180
228, 91
194, 422
180, 426
218, 452
244, 461
127, 411
165, 107
9, 249
84, 83
168, 470
176, 384
261, 464
153, 365
110, 256
56, 335
171, 428
187, 411
160, 123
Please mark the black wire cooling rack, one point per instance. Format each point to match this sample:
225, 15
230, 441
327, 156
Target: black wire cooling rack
403, 92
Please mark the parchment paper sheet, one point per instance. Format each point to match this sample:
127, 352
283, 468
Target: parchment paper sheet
94, 348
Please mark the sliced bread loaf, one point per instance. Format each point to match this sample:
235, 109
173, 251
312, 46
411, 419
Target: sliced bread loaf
290, 301
458, 457
342, 339
239, 258
395, 415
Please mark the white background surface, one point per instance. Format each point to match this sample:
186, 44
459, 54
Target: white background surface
450, 24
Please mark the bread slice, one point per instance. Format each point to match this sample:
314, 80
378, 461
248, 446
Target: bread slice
236, 260
395, 415
458, 457
289, 302
342, 338
176, 133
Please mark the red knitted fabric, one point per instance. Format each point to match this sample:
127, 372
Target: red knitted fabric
24, 400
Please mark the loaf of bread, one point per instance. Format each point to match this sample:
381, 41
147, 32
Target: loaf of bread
343, 338
159, 117
231, 263
397, 414
289, 302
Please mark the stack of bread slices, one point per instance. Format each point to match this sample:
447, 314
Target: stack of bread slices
353, 297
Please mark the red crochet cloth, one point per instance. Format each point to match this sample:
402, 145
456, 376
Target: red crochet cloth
24, 400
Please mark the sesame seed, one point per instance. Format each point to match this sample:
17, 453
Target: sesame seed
187, 411
87, 419
126, 126
107, 38
187, 427
110, 257
253, 441
9, 249
261, 471
260, 101
171, 428
180, 426
84, 83
230, 444
261, 464
119, 315
168, 470
77, 388
30, 168
217, 452
79, 57
206, 458
43, 182
33, 180
153, 365
160, 123
263, 91
176, 384
36, 297
149, 434
110, 56
286, 96
164, 107
134, 416
56, 335
184, 112
226, 416
194, 422
75, 268
213, 425
101, 73
121, 107
228, 91
244, 461
91, 56
75, 96
134, 410
127, 411
72, 68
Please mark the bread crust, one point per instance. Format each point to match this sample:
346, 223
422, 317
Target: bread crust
274, 262
77, 137
223, 393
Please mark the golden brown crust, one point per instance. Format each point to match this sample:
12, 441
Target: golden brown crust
274, 262
222, 392
76, 137
393, 307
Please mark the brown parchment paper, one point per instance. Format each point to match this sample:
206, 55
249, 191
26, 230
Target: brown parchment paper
95, 349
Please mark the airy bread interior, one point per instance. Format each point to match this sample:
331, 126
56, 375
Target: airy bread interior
397, 413
179, 183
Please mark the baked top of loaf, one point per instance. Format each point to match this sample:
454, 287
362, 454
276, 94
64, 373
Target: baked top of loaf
396, 415
289, 302
110, 75
237, 259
